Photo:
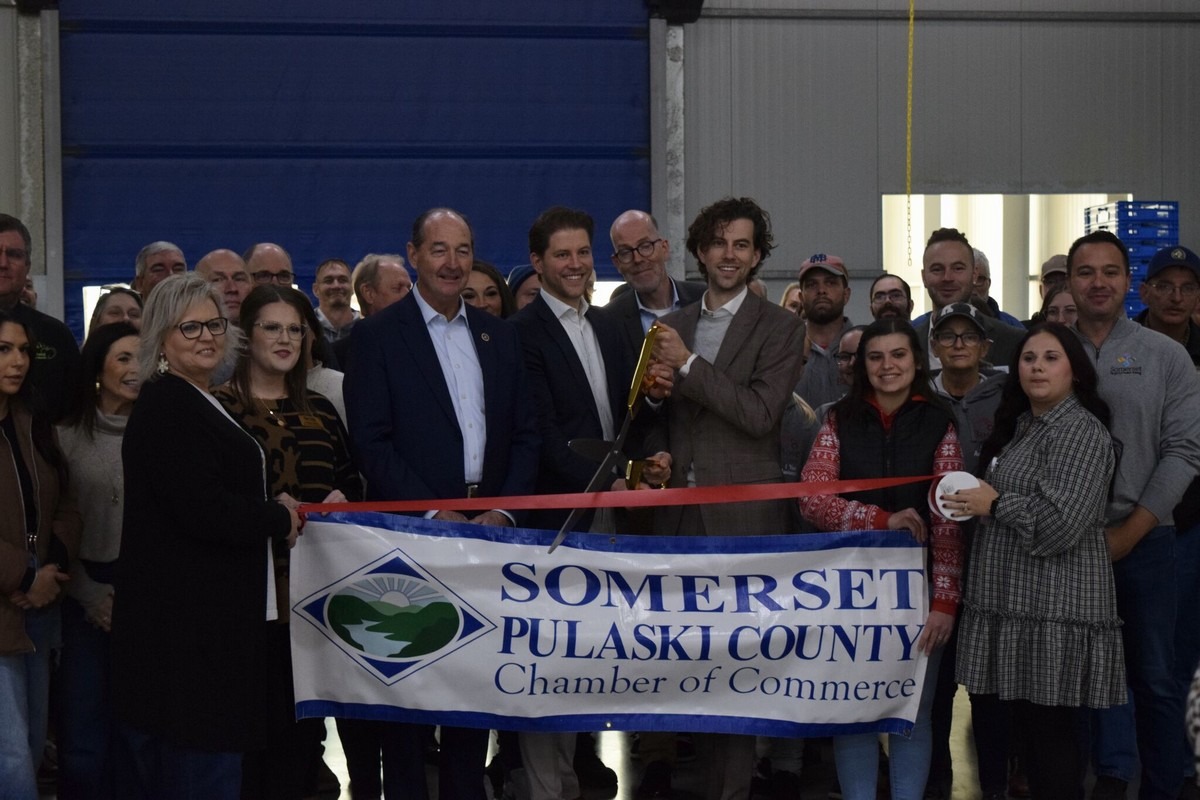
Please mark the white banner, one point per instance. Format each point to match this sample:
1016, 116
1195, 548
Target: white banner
402, 618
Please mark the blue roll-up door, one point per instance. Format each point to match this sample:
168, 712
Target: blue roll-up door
327, 127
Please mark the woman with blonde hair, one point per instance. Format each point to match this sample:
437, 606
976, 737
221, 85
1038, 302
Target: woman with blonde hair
193, 590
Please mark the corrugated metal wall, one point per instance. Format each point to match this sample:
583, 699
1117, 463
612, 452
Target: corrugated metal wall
327, 127
802, 105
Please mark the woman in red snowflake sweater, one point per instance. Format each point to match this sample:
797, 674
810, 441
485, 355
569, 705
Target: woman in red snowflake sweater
891, 423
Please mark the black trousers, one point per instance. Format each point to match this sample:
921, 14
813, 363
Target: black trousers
1054, 752
461, 754
284, 769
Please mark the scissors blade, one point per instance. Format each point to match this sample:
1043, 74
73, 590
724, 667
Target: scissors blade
612, 459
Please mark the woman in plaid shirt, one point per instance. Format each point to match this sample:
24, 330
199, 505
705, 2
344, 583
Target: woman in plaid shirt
1039, 629
891, 423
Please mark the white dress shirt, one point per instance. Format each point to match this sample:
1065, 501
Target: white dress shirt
464, 379
583, 338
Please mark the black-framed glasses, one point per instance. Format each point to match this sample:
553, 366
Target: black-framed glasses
15, 253
844, 358
284, 278
895, 295
194, 330
948, 338
275, 330
645, 250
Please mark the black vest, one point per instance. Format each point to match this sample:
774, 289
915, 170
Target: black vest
909, 449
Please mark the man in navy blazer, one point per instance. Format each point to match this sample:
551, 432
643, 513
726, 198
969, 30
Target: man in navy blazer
439, 408
578, 370
640, 254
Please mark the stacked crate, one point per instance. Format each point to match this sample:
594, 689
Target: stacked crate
1145, 227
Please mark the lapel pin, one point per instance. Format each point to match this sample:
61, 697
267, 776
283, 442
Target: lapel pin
485, 337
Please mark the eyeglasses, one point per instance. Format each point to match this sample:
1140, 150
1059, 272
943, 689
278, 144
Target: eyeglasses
278, 278
895, 295
1166, 288
14, 253
948, 338
275, 330
844, 358
645, 250
194, 330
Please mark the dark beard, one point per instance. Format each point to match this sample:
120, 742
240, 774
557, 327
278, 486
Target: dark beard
823, 316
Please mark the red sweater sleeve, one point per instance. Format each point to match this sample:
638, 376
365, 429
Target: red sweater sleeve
946, 539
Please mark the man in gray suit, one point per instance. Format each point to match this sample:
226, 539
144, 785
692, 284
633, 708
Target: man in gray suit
640, 254
736, 358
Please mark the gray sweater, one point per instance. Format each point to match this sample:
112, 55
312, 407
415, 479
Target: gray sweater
1149, 382
98, 488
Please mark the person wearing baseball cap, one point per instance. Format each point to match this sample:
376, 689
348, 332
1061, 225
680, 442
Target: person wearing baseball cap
1054, 270
970, 384
824, 292
1171, 292
1053, 281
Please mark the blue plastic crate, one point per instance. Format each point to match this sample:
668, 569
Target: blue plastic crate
1144, 231
1132, 210
1145, 251
1133, 304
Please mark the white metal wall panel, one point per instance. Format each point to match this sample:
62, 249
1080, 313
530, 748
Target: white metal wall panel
991, 6
707, 114
1179, 121
802, 135
807, 114
966, 107
1091, 109
10, 112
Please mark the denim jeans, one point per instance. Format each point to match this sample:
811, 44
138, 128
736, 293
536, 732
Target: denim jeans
24, 705
1113, 742
85, 729
857, 756
161, 770
1147, 603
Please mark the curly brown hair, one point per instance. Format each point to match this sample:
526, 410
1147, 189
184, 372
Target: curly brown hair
712, 220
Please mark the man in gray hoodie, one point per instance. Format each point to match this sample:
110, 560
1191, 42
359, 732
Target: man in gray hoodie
1151, 386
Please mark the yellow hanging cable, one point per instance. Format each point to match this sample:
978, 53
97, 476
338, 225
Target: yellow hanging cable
908, 133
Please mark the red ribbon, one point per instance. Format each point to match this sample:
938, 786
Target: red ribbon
640, 498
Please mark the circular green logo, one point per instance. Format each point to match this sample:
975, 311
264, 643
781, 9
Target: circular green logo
393, 616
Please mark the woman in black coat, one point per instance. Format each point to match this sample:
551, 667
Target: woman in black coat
192, 595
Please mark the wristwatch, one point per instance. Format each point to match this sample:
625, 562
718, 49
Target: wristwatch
992, 508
